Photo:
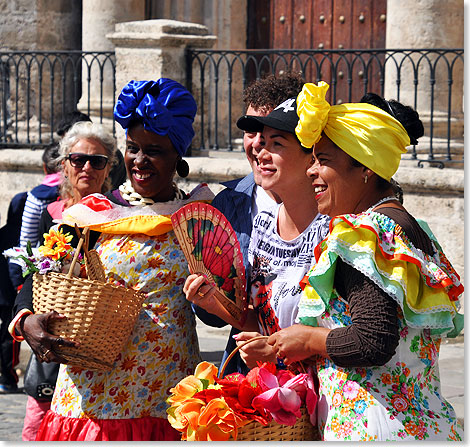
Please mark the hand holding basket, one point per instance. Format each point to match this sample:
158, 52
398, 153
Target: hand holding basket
93, 308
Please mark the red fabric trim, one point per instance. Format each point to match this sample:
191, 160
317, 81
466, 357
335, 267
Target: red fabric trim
96, 203
55, 427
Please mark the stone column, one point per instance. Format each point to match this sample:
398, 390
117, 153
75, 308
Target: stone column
152, 49
428, 24
99, 19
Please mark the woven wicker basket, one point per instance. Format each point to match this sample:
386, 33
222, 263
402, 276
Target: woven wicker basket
303, 430
100, 316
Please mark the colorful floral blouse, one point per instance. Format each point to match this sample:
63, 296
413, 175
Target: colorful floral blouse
401, 400
163, 347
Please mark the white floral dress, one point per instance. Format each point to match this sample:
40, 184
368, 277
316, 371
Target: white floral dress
163, 347
401, 400
138, 249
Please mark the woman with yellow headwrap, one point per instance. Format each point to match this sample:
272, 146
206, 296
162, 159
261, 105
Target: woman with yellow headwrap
382, 294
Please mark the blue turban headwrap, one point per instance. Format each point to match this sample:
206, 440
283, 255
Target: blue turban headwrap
164, 107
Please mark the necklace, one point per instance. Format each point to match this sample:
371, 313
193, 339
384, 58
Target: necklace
134, 198
383, 200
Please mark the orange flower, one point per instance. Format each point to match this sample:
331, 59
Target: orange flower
98, 388
185, 389
217, 421
184, 417
121, 398
399, 402
386, 378
411, 428
206, 370
155, 263
56, 244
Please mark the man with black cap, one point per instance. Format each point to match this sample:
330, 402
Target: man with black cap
283, 237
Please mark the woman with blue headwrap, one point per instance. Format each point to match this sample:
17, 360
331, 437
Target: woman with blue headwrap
138, 248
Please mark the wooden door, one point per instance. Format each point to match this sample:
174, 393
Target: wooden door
324, 24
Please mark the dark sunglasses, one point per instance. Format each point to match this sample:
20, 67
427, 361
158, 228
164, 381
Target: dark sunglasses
97, 162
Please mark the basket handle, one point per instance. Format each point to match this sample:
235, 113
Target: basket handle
77, 251
299, 365
222, 369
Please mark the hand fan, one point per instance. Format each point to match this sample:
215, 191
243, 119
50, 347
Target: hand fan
211, 247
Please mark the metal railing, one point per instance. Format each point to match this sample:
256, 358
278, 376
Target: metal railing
37, 88
429, 80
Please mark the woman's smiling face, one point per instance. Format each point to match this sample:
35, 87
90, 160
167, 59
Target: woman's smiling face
339, 186
151, 163
281, 162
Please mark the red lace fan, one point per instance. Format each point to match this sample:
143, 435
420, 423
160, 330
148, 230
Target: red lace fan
211, 247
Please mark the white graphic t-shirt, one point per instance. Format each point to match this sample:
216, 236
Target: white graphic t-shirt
278, 266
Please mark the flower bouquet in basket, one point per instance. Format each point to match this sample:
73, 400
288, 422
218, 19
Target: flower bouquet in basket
266, 404
55, 255
93, 307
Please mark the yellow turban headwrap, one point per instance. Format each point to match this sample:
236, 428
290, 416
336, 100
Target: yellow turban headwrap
365, 132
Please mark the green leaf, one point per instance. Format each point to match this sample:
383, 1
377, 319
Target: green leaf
191, 223
197, 252
219, 280
29, 249
233, 272
205, 383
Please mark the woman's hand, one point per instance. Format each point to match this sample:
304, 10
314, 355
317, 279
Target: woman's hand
200, 293
256, 351
299, 342
34, 329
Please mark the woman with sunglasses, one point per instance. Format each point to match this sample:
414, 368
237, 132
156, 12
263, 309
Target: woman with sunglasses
87, 153
138, 248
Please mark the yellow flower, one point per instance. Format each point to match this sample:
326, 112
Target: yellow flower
56, 244
312, 109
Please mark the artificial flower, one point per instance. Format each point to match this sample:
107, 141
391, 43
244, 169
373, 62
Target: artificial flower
56, 244
206, 408
185, 389
206, 370
54, 256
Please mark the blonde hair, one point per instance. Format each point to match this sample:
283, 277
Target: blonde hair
79, 131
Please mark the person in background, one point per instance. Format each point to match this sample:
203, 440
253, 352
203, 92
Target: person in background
9, 349
382, 295
118, 169
243, 198
128, 403
87, 153
40, 196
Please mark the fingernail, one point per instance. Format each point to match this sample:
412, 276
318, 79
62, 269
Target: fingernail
235, 336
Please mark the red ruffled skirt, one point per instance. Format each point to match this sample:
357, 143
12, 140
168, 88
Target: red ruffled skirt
55, 427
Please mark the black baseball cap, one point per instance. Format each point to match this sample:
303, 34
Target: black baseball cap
283, 117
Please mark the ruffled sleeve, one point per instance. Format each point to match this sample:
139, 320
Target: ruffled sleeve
425, 287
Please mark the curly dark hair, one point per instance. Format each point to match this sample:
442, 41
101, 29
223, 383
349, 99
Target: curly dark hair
267, 93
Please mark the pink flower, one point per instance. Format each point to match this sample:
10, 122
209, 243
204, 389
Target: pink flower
350, 389
283, 401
